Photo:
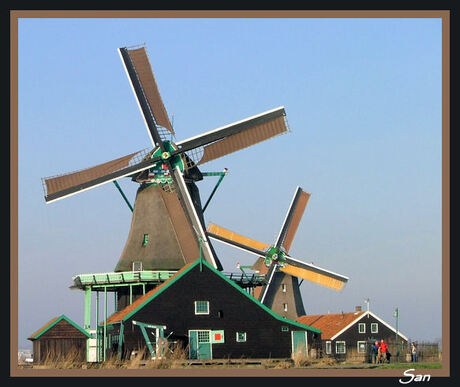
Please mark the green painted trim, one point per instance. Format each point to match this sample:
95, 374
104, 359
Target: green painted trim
256, 301
94, 287
146, 240
120, 278
63, 317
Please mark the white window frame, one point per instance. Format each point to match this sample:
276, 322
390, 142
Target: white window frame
285, 307
361, 325
376, 325
328, 346
196, 303
237, 337
283, 287
357, 346
344, 347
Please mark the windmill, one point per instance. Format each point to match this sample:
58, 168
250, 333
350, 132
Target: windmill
281, 291
167, 226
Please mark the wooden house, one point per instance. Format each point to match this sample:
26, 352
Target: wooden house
58, 339
210, 315
352, 333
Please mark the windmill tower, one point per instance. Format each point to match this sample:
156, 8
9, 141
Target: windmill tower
167, 227
281, 291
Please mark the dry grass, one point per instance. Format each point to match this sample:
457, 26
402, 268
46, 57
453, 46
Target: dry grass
67, 361
301, 360
326, 362
283, 365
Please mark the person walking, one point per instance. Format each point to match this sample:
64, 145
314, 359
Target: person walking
413, 351
374, 351
383, 350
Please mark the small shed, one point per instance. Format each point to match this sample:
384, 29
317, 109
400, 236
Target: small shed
58, 339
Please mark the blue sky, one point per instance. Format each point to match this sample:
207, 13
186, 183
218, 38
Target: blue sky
363, 103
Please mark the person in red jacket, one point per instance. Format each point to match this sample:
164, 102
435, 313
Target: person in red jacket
383, 349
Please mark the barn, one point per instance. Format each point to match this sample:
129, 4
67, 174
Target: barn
352, 333
204, 311
59, 338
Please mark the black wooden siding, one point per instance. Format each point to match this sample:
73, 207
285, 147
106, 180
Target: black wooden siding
229, 310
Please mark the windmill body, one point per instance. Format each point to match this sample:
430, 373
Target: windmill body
167, 229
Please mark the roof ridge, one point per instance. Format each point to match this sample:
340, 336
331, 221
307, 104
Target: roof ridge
53, 322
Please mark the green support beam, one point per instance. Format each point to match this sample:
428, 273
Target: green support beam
120, 341
147, 340
87, 324
97, 328
159, 334
105, 326
222, 175
123, 195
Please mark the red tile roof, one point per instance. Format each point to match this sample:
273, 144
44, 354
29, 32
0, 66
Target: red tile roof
329, 324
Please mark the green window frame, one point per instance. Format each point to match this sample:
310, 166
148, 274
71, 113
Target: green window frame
145, 240
201, 307
240, 337
374, 328
362, 327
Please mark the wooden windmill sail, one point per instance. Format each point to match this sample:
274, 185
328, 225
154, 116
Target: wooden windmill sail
167, 223
281, 291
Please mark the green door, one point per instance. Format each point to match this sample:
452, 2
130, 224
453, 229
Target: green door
299, 342
200, 344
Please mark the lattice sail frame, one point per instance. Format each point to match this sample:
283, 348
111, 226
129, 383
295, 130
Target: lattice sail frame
59, 182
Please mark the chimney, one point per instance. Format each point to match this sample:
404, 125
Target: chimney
358, 308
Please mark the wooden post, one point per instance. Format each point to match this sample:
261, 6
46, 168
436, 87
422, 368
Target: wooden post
104, 345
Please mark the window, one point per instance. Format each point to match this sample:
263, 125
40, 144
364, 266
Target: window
201, 307
285, 307
283, 287
137, 266
328, 347
284, 328
340, 347
374, 328
361, 347
240, 337
204, 337
362, 327
145, 240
